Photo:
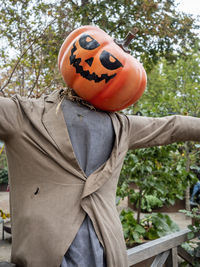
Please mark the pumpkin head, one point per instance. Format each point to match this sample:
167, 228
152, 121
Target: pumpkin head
99, 71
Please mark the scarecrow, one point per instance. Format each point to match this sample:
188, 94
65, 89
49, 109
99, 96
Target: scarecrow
65, 152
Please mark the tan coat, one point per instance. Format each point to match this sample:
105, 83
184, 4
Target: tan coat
49, 192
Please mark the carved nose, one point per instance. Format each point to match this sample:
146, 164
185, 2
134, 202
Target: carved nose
89, 61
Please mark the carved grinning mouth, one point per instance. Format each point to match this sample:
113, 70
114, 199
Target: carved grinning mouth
75, 62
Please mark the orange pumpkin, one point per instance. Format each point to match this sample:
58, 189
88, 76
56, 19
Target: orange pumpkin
99, 71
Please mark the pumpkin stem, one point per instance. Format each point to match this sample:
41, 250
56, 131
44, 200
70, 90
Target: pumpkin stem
124, 44
130, 36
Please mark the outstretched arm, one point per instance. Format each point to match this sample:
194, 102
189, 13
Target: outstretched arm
8, 118
147, 132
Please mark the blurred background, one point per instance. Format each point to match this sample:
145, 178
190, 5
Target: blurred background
167, 44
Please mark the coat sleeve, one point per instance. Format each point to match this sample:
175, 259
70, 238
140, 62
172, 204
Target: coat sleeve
8, 118
146, 132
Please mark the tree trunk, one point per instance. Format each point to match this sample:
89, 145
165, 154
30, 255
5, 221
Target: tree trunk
187, 192
139, 206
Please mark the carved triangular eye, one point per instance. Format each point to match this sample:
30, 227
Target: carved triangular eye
109, 61
89, 61
88, 42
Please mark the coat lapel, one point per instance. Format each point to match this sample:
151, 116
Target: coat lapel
99, 177
54, 123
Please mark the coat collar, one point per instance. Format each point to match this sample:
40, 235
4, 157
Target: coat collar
53, 120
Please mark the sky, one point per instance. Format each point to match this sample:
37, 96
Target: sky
189, 6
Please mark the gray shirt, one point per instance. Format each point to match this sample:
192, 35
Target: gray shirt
92, 138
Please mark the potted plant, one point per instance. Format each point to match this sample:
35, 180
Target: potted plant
152, 226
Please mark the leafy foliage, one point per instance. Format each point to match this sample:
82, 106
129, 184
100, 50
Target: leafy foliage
193, 247
133, 231
173, 88
151, 227
3, 161
159, 225
148, 202
3, 176
157, 171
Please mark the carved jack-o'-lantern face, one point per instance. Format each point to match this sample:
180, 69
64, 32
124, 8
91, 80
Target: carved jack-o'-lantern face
99, 70
106, 59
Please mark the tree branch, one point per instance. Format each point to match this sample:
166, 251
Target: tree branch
17, 63
22, 55
44, 90
36, 81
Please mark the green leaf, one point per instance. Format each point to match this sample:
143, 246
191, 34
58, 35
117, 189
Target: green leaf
139, 229
152, 234
190, 235
136, 237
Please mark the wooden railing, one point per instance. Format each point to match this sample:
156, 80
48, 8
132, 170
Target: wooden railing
160, 252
